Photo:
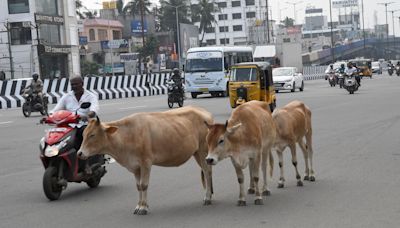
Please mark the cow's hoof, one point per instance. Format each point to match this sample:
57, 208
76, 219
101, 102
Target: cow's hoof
258, 202
207, 202
251, 191
142, 211
312, 178
266, 193
136, 210
281, 185
241, 203
299, 183
306, 178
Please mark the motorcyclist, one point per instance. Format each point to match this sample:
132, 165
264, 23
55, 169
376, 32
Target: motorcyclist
36, 86
342, 69
72, 101
176, 77
390, 65
351, 70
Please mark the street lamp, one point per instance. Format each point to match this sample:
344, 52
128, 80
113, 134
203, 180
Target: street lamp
177, 29
332, 45
294, 9
394, 34
387, 25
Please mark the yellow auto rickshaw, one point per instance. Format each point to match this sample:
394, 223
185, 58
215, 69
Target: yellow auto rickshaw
251, 81
364, 65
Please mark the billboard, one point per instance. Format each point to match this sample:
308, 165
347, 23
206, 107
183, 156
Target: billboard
122, 43
136, 27
344, 3
110, 5
128, 57
189, 37
313, 10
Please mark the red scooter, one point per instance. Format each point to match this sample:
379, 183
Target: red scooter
58, 152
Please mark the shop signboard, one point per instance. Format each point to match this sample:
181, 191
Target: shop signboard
344, 3
49, 19
136, 27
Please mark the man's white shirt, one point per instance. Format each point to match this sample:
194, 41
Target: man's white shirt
350, 71
70, 103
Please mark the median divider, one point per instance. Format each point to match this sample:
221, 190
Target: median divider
108, 87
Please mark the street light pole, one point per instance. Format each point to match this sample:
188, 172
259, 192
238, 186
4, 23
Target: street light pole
177, 29
387, 25
362, 8
332, 45
294, 9
394, 34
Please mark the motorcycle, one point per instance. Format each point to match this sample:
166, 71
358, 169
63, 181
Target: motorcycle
332, 80
175, 94
340, 79
58, 154
350, 83
398, 70
33, 102
390, 70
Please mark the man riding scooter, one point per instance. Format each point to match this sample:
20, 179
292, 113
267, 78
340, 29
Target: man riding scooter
72, 102
351, 70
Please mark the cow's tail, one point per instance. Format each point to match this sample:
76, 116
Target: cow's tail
271, 164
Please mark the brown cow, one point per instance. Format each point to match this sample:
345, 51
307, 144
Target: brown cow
144, 139
293, 123
247, 138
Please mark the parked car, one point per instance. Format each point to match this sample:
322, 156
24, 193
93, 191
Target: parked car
376, 68
287, 78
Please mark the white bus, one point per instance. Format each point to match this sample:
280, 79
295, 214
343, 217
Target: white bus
206, 68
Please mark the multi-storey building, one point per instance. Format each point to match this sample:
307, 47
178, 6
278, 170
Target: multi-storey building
41, 36
238, 22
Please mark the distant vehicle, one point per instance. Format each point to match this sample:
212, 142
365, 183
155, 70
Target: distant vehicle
364, 65
206, 68
280, 55
376, 67
336, 66
287, 78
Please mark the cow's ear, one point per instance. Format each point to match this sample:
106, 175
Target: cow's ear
233, 129
111, 129
208, 125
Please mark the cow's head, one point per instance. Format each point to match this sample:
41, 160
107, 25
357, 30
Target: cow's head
218, 141
95, 138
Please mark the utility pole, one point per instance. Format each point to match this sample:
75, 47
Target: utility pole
294, 9
332, 44
142, 20
362, 8
387, 25
394, 34
8, 28
267, 14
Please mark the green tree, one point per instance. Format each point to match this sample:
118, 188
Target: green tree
150, 47
205, 12
133, 7
288, 22
79, 6
88, 67
168, 14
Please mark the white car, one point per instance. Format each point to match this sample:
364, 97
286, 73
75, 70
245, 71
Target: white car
287, 78
376, 67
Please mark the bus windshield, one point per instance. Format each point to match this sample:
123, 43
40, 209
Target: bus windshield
204, 65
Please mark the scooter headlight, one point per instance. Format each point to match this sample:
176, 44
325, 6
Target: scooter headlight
52, 151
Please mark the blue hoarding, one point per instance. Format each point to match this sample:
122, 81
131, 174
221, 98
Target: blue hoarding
136, 26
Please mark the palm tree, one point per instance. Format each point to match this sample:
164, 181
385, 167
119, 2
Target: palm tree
206, 10
288, 22
133, 7
168, 14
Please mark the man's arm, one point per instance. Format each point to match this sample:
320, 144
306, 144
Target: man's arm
60, 105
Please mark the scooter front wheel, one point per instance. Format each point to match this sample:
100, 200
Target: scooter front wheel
26, 109
51, 188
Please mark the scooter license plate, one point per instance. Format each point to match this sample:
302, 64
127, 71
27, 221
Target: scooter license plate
58, 129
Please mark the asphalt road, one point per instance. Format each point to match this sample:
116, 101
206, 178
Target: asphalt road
356, 159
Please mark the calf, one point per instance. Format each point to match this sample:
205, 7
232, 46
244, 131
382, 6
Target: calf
293, 123
247, 138
144, 139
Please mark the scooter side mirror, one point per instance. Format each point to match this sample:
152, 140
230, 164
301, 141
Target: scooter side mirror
85, 105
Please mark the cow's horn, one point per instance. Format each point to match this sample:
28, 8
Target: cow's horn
98, 119
226, 124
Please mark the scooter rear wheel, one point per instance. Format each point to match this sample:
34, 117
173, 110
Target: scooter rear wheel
51, 189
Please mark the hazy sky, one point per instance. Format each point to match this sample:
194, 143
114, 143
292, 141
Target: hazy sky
370, 7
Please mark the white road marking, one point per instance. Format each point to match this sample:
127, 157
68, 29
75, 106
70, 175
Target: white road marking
7, 122
134, 107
